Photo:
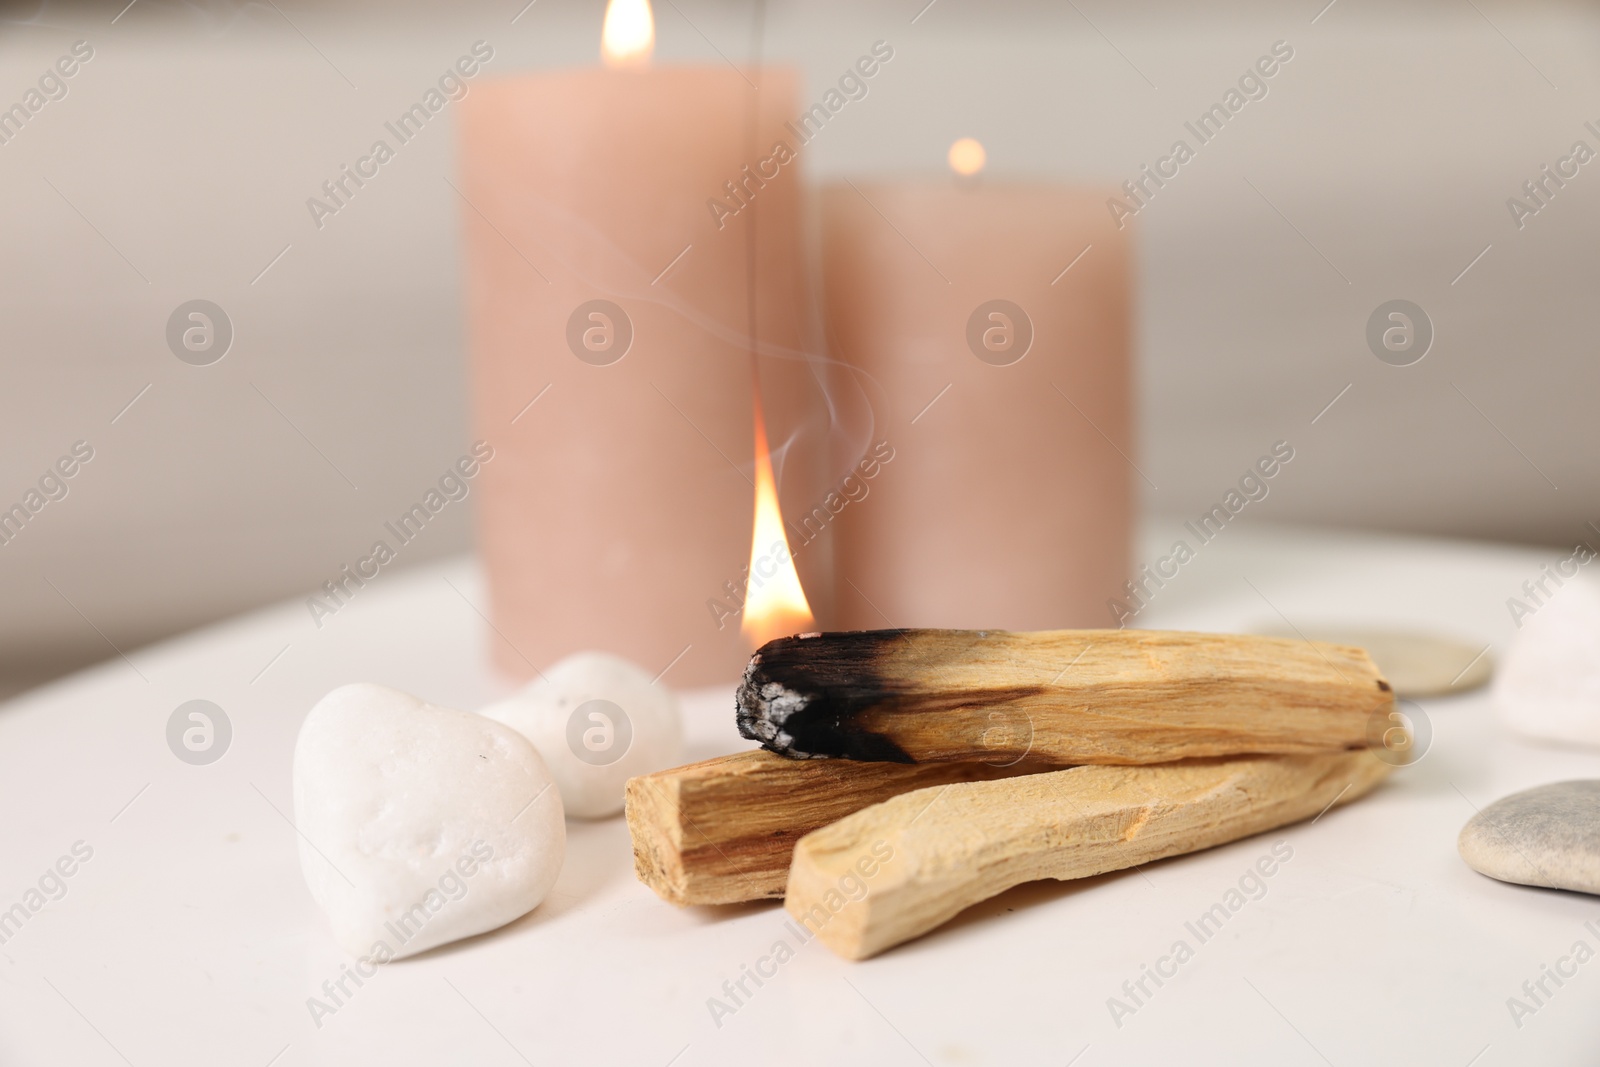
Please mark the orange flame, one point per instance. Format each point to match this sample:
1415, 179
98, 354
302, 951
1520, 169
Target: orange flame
629, 34
774, 603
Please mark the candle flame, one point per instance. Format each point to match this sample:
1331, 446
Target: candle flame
774, 603
967, 157
629, 34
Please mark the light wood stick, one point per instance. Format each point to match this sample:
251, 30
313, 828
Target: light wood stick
723, 830
1058, 696
898, 869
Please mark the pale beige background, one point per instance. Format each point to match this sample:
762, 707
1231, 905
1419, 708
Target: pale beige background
1377, 167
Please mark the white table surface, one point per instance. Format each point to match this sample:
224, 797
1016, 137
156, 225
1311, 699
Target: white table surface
189, 937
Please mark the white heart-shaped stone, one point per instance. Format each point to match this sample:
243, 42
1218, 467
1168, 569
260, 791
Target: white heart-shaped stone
420, 825
597, 720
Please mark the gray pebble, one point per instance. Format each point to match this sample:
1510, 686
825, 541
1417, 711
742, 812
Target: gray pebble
1547, 836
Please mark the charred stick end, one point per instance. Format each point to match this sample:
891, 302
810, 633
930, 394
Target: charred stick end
801, 697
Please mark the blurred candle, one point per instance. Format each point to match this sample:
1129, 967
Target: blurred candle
610, 310
995, 318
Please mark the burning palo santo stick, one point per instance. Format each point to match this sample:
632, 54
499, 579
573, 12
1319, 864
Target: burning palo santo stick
723, 830
896, 870
1057, 696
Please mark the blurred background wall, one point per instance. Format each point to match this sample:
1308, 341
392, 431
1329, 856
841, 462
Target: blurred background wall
178, 164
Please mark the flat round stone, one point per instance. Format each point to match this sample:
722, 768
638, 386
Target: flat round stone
1547, 836
1416, 664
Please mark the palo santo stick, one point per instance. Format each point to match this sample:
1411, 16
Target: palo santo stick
1058, 696
723, 830
922, 857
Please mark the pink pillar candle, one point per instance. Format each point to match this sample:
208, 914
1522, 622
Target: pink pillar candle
602, 281
1009, 502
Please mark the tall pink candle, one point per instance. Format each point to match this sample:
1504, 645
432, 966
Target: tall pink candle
1010, 498
616, 513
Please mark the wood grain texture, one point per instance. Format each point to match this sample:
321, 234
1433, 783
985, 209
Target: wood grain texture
1058, 696
898, 869
723, 830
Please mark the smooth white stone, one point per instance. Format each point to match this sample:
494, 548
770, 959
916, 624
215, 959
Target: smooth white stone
1549, 685
594, 748
421, 825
